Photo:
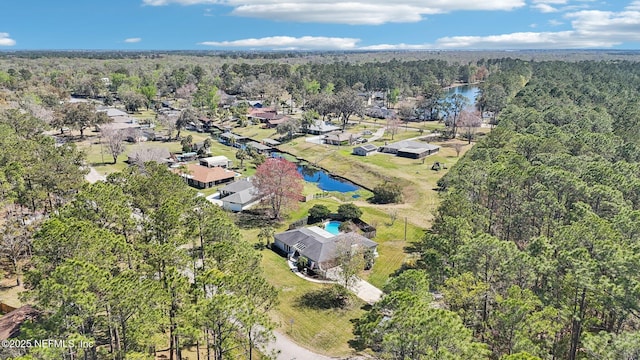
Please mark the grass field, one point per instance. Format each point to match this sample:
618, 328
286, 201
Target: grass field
326, 331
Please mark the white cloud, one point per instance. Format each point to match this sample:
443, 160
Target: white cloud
289, 43
590, 29
545, 8
554, 22
555, 2
634, 6
133, 40
5, 40
369, 12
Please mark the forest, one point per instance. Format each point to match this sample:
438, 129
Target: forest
533, 253
535, 244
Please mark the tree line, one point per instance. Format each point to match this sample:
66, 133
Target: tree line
535, 245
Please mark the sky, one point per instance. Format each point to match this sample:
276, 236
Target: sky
318, 24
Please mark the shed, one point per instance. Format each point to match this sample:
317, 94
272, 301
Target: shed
214, 161
364, 150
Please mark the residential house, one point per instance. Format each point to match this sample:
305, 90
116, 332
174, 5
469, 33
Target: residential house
270, 142
259, 148
340, 138
319, 246
364, 150
272, 123
418, 152
231, 139
320, 127
120, 120
239, 195
203, 177
142, 155
409, 149
11, 322
216, 161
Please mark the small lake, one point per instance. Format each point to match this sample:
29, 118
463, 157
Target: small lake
320, 177
325, 181
471, 92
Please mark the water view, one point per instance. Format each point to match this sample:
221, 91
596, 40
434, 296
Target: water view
471, 92
325, 181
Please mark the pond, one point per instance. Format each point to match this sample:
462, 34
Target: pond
323, 179
471, 92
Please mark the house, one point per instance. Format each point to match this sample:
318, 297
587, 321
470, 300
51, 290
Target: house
272, 123
270, 142
318, 246
239, 195
142, 155
216, 161
409, 149
120, 120
418, 152
321, 127
203, 177
364, 150
259, 148
11, 322
188, 156
231, 139
340, 138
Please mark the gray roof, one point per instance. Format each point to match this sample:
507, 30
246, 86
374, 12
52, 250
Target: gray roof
322, 126
111, 112
271, 142
409, 144
258, 146
229, 135
242, 197
317, 244
367, 147
237, 186
157, 154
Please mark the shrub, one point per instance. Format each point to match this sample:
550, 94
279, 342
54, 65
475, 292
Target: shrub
319, 212
349, 211
387, 193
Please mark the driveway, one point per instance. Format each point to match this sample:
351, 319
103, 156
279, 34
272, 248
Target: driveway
377, 135
286, 349
94, 176
360, 288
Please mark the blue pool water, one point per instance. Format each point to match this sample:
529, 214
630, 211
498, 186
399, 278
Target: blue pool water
333, 227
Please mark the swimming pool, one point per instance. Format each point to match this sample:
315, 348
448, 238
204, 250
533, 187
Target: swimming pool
333, 227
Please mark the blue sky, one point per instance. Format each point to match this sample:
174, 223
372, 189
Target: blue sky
319, 24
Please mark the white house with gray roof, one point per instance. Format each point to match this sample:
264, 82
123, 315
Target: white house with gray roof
319, 246
239, 195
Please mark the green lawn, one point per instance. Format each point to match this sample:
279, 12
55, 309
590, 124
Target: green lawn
326, 331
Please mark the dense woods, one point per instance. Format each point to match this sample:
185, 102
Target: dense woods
535, 245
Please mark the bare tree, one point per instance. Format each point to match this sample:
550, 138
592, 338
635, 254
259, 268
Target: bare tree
458, 148
349, 259
114, 139
169, 123
469, 122
392, 126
